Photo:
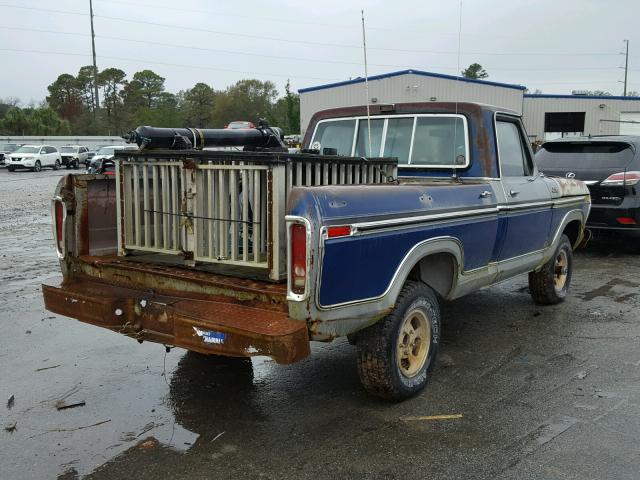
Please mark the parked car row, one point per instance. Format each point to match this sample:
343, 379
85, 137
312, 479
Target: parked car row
16, 156
102, 161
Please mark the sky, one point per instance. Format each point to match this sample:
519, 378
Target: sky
552, 45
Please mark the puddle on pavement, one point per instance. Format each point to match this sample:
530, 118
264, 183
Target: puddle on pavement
611, 289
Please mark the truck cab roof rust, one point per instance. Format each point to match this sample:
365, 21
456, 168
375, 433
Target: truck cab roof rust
480, 120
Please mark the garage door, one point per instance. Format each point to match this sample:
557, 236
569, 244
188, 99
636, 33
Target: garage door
630, 123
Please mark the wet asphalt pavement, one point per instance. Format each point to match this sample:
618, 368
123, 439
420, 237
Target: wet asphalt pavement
544, 392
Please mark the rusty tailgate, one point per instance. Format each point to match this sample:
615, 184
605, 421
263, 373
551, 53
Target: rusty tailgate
207, 326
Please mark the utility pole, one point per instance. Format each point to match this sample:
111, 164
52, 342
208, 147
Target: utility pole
626, 68
95, 68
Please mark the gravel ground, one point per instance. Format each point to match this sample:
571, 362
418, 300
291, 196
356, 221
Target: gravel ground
544, 393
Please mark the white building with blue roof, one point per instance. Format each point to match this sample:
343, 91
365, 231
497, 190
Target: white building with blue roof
545, 116
407, 86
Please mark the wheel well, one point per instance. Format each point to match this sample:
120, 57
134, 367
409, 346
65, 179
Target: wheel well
572, 230
438, 270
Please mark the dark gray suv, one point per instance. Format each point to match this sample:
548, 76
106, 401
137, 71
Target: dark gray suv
610, 166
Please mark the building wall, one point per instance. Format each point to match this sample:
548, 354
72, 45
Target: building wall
407, 88
58, 141
598, 120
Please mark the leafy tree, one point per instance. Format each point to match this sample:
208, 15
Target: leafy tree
249, 100
112, 80
143, 100
15, 122
7, 104
475, 71
65, 97
287, 111
85, 83
292, 102
149, 86
197, 105
45, 121
34, 121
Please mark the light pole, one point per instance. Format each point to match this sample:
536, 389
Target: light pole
93, 49
626, 67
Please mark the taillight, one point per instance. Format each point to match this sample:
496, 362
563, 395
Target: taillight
626, 220
339, 231
59, 218
621, 179
298, 267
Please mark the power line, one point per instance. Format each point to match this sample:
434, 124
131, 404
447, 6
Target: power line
213, 50
235, 52
304, 42
40, 30
40, 9
340, 45
218, 14
282, 57
143, 61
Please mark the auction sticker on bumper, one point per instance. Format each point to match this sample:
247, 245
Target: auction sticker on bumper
209, 336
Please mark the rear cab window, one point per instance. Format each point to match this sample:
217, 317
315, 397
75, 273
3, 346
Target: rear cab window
417, 141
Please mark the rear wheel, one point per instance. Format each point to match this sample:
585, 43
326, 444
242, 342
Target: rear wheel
38, 166
56, 166
550, 284
396, 354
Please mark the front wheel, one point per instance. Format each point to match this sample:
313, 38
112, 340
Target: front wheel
38, 166
56, 166
550, 284
396, 354
76, 164
11, 169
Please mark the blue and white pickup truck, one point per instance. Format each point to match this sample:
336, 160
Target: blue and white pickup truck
360, 235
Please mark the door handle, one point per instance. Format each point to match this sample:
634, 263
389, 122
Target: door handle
485, 194
513, 193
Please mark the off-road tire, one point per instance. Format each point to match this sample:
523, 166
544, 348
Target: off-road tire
56, 165
377, 346
542, 285
37, 167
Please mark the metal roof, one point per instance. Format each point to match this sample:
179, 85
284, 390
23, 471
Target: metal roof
580, 97
410, 72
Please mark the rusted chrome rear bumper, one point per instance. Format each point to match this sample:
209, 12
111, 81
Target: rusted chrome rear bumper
213, 327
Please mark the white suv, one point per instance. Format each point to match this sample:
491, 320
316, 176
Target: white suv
34, 157
74, 155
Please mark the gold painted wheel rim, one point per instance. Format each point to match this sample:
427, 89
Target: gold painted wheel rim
560, 270
414, 342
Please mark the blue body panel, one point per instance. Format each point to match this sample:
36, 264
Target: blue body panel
362, 267
347, 204
525, 231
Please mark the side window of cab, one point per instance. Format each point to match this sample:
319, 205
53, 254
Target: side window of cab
515, 159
